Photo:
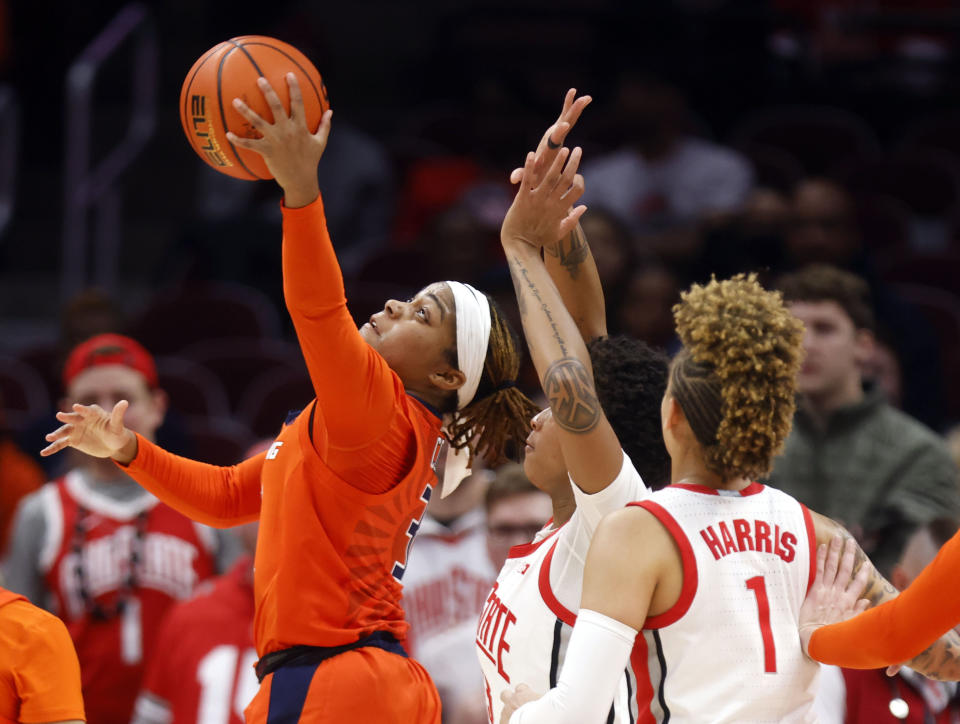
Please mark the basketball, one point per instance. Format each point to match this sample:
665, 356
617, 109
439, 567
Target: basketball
230, 70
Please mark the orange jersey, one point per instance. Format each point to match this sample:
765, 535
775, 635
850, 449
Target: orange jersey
341, 492
39, 672
899, 629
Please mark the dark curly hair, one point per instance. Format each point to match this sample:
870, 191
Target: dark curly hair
630, 378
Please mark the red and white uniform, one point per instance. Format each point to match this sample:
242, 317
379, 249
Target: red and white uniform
202, 670
447, 579
728, 651
176, 555
526, 623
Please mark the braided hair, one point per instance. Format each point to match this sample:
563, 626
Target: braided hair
496, 421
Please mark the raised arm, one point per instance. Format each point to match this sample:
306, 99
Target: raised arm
353, 384
912, 627
540, 214
574, 272
217, 496
569, 260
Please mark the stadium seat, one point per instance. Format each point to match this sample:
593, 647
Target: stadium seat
205, 311
270, 397
193, 390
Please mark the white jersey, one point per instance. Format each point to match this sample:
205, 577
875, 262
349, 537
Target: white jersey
447, 579
729, 651
527, 620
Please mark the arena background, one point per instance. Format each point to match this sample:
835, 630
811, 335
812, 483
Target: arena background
441, 99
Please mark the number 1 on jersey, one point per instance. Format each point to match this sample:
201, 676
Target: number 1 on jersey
759, 588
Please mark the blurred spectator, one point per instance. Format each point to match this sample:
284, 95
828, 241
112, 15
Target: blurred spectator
750, 240
953, 443
202, 670
447, 579
851, 455
516, 511
98, 550
646, 309
664, 181
870, 695
824, 229
453, 565
19, 475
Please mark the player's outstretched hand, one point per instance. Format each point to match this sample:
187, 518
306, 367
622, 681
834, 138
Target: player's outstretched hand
289, 149
513, 699
835, 594
556, 134
92, 430
542, 213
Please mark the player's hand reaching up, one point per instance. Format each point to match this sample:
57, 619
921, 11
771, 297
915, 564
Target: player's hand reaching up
513, 699
91, 430
542, 213
289, 149
552, 140
835, 594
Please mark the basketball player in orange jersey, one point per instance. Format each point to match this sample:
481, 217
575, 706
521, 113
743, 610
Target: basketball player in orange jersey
715, 562
39, 671
340, 493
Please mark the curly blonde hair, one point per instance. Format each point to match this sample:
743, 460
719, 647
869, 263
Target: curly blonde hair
735, 380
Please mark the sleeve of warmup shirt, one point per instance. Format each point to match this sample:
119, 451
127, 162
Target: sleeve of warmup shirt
217, 496
901, 628
355, 387
47, 672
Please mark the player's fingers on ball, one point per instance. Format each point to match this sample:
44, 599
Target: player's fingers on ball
251, 115
273, 100
323, 130
297, 110
250, 143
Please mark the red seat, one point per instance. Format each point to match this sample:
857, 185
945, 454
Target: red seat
219, 440
237, 362
205, 311
192, 388
268, 400
23, 394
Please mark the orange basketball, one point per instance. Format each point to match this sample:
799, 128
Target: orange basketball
230, 70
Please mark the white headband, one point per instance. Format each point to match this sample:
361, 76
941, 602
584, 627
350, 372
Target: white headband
473, 337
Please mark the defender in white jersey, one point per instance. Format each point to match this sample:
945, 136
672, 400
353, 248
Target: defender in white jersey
713, 573
598, 394
748, 560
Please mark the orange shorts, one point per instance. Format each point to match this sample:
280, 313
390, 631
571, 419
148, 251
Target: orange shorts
363, 685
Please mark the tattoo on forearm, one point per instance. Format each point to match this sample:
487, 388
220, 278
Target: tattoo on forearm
572, 251
569, 388
878, 588
523, 285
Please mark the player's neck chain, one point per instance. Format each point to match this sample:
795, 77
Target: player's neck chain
97, 611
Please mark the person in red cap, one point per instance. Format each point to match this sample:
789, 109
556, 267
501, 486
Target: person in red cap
101, 552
